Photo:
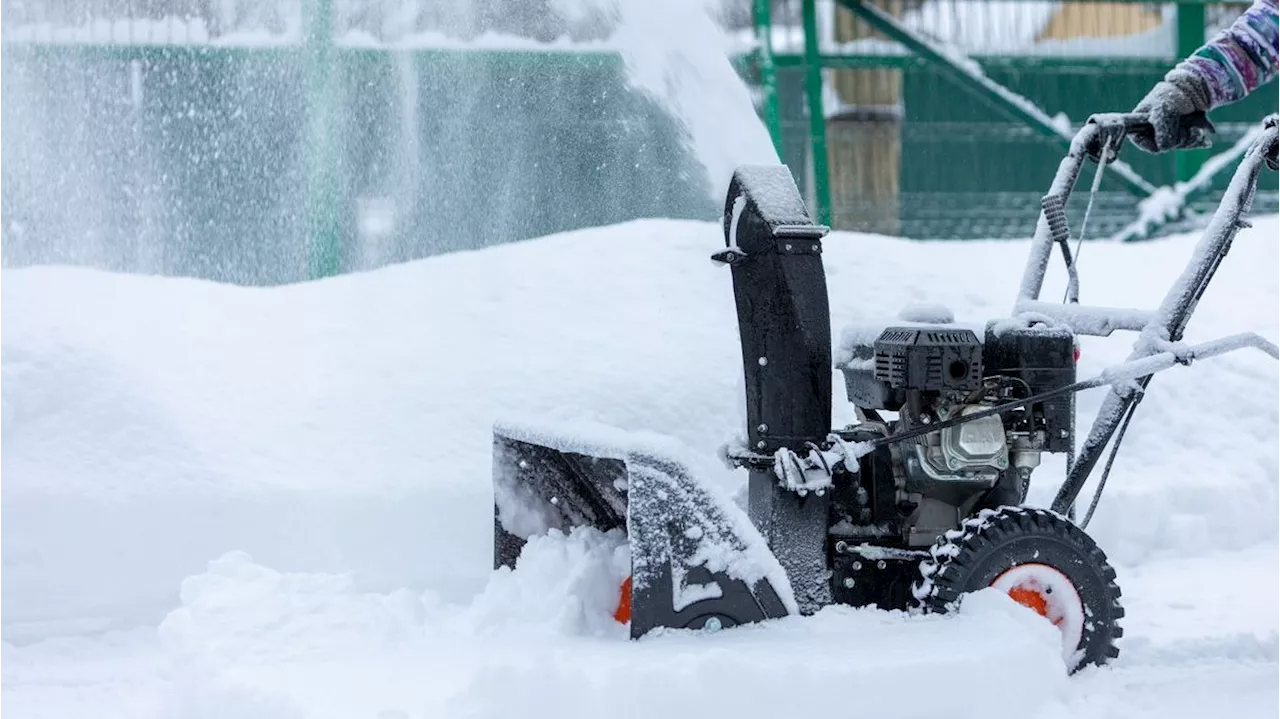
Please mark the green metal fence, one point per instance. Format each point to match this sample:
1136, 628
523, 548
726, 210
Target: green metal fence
271, 142
947, 162
159, 144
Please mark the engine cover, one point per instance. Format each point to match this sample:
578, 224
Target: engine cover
1044, 359
974, 453
929, 359
979, 443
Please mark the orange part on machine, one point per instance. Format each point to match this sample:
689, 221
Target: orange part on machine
1030, 598
623, 613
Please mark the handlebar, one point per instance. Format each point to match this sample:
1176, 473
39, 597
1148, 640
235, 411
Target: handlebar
1099, 131
1130, 121
1109, 131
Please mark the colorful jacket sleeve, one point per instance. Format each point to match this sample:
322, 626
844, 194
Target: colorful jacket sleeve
1240, 58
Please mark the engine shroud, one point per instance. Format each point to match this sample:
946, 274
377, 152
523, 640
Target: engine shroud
1044, 358
928, 359
905, 361
928, 484
935, 361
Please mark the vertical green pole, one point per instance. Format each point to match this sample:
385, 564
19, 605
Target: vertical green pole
768, 72
323, 154
1190, 32
817, 118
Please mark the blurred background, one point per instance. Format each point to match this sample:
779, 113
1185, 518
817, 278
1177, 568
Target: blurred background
271, 141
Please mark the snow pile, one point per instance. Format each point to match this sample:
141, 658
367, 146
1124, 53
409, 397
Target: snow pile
327, 427
790, 667
339, 434
242, 611
540, 637
345, 426
250, 641
562, 584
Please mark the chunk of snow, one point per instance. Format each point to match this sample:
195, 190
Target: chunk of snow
775, 193
563, 584
927, 314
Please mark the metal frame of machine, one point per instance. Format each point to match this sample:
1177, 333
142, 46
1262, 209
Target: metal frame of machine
921, 501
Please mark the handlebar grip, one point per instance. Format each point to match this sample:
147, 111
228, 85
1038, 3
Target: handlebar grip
1115, 122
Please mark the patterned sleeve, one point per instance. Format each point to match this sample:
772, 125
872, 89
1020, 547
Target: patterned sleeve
1241, 58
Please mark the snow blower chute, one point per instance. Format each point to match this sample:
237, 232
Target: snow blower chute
921, 501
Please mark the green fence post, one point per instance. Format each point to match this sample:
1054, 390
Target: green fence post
817, 118
973, 79
323, 215
763, 16
1190, 27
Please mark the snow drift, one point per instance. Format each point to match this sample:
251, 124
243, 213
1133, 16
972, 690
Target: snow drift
152, 424
276, 502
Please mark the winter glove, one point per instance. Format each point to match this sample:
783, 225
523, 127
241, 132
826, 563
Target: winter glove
1176, 108
1270, 152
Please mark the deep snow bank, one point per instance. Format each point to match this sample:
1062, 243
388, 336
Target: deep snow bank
541, 641
249, 641
151, 424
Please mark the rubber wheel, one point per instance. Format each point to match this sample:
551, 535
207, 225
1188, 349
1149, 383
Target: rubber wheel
1043, 561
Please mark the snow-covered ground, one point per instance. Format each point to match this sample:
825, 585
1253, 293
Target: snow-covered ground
234, 502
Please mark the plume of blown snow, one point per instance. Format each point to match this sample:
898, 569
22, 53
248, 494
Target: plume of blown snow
676, 53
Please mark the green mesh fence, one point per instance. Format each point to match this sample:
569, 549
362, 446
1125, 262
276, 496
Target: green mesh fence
198, 138
160, 137
913, 153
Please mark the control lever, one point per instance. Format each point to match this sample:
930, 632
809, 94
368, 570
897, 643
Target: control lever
1113, 128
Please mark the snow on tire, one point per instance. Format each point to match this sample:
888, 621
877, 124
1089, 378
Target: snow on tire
1043, 561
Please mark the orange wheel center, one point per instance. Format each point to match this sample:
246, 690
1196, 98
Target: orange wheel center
1049, 592
623, 613
1030, 598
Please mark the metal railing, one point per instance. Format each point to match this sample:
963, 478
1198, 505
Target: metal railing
978, 97
285, 140
271, 141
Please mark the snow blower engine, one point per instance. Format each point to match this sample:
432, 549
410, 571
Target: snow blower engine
923, 499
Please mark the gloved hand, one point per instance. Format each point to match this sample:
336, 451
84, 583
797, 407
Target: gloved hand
1176, 108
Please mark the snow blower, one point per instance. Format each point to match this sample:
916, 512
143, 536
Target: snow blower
923, 499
